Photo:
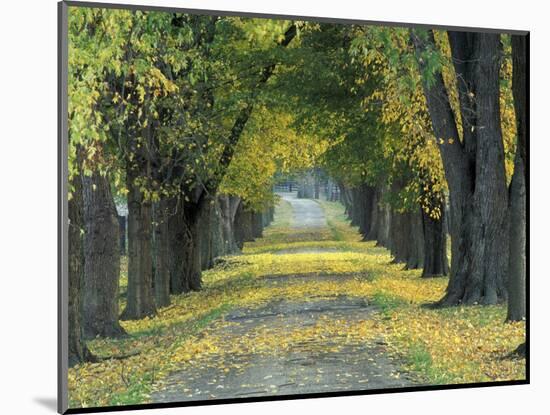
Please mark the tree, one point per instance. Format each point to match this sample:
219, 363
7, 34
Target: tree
90, 54
517, 200
414, 161
473, 162
102, 259
199, 192
162, 250
78, 351
374, 117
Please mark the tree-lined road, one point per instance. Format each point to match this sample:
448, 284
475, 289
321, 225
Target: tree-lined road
312, 364
415, 142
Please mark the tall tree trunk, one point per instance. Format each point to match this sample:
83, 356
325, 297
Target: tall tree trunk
192, 255
212, 244
353, 207
162, 269
375, 219
206, 229
474, 165
517, 259
217, 248
140, 298
399, 237
243, 226
78, 351
359, 208
384, 227
100, 311
436, 262
415, 236
517, 290
176, 244
257, 224
228, 207
367, 200
407, 239
486, 281
185, 247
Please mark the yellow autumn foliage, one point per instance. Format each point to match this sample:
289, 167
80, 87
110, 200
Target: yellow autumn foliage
439, 346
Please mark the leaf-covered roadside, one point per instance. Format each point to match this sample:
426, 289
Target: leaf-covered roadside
452, 345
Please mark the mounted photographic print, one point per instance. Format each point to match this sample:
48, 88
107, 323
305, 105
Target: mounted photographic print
260, 207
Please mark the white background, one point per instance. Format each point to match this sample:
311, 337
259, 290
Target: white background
28, 236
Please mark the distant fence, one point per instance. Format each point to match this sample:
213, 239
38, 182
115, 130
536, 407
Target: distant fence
285, 187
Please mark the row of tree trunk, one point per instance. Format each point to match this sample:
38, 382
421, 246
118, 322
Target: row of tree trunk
170, 243
488, 218
413, 237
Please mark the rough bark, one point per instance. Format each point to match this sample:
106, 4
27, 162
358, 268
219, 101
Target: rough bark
192, 253
517, 259
517, 290
355, 208
176, 244
374, 220
399, 239
212, 244
184, 240
415, 236
140, 297
367, 201
436, 262
162, 270
100, 311
217, 247
384, 225
243, 226
407, 239
360, 207
486, 281
228, 208
474, 165
206, 227
187, 267
78, 351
